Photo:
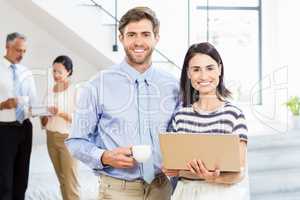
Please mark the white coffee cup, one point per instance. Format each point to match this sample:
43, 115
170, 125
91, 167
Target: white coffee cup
141, 153
23, 100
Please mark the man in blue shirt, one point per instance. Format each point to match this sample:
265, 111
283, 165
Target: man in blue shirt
17, 94
127, 105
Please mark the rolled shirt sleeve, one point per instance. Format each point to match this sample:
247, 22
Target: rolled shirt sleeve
84, 128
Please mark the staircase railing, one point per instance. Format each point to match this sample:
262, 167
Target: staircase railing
116, 22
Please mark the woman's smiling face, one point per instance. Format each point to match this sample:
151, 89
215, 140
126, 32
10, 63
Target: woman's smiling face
204, 73
60, 73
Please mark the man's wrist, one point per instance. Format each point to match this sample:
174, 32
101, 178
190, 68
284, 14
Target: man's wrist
103, 158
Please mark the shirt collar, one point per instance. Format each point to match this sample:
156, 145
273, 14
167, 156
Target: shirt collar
136, 75
6, 62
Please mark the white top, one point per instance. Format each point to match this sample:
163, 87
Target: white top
64, 101
7, 88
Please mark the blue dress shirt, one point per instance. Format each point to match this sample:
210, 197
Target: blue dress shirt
106, 116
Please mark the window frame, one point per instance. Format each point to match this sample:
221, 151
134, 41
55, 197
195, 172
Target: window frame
257, 8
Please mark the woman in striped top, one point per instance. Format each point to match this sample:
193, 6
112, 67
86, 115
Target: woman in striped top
206, 110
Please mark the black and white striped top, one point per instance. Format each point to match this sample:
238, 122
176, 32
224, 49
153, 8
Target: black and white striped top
228, 119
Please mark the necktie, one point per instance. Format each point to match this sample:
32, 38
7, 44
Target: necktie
144, 127
17, 92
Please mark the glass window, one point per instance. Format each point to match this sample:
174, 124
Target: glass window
235, 33
228, 3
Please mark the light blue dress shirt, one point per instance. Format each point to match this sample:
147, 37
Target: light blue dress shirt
106, 116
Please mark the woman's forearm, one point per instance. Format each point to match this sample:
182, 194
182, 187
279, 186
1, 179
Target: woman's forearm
65, 116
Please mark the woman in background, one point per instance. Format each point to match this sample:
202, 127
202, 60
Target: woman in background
206, 111
61, 99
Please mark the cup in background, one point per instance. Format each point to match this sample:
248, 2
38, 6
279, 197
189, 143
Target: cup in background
23, 100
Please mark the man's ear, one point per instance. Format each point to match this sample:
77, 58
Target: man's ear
121, 37
6, 46
157, 37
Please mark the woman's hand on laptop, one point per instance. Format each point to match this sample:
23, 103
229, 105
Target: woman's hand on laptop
197, 167
170, 172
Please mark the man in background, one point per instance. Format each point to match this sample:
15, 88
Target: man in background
17, 92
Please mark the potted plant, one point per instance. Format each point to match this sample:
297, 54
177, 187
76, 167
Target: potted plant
293, 105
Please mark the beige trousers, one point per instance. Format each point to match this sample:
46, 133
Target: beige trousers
64, 164
117, 189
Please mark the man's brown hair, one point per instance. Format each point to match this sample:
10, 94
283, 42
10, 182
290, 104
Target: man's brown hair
138, 13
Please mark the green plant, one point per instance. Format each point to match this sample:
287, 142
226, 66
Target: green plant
294, 105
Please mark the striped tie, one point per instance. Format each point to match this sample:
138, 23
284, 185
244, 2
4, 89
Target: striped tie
144, 127
20, 115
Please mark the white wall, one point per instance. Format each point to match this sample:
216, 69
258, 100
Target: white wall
289, 42
97, 28
42, 49
87, 22
280, 59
